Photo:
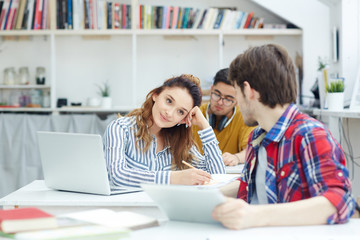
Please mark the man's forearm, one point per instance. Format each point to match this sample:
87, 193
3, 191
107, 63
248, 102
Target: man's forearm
304, 212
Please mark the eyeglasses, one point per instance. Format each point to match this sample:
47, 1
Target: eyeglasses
226, 101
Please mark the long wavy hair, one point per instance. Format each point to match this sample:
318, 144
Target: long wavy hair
179, 138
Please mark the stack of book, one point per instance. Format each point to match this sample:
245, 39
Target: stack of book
169, 17
33, 223
25, 219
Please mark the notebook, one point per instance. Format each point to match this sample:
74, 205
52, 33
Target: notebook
110, 218
234, 169
75, 162
185, 203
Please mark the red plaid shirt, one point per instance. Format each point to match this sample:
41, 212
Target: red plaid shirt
303, 161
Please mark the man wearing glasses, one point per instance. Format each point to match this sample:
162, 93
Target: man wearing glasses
226, 120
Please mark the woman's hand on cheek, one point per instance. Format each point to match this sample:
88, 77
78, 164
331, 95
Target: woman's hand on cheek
195, 117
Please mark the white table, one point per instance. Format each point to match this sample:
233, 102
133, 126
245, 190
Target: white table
60, 202
185, 230
36, 194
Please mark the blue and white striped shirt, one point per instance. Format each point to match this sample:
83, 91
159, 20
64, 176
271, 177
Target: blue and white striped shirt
128, 166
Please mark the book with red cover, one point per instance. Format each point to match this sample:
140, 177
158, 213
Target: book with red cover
123, 22
248, 20
175, 17
3, 10
117, 15
13, 10
5, 14
38, 13
25, 219
168, 20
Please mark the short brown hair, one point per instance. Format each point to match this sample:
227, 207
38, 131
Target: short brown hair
269, 70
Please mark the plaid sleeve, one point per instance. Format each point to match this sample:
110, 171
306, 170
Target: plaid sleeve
324, 168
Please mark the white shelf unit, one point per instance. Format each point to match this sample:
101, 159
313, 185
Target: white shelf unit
10, 88
66, 110
138, 60
24, 87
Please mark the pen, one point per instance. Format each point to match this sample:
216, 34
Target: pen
188, 164
191, 166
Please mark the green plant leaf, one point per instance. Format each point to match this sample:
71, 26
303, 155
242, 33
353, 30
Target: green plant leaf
336, 86
322, 64
104, 89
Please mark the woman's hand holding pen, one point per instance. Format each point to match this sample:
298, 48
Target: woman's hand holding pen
190, 177
195, 117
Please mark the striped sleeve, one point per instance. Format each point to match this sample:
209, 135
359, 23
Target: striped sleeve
211, 161
120, 174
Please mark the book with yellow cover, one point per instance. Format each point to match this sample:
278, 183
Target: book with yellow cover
90, 232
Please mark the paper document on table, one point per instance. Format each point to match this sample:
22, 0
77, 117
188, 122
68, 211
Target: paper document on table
219, 180
107, 217
234, 169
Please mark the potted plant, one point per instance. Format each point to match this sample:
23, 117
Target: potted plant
335, 95
104, 91
321, 64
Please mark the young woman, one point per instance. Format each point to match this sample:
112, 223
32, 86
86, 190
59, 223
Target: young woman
150, 143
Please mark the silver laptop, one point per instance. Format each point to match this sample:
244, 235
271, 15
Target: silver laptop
185, 203
75, 162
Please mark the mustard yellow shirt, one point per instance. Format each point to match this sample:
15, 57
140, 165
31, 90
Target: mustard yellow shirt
233, 138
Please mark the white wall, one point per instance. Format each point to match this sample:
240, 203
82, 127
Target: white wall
317, 19
82, 64
313, 18
350, 45
345, 15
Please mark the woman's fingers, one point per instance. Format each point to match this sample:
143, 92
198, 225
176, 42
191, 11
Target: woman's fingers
202, 177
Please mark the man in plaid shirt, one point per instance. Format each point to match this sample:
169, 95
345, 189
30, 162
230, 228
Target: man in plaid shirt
291, 158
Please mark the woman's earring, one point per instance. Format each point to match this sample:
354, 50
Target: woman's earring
178, 124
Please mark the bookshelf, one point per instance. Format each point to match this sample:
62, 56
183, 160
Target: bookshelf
3, 87
134, 60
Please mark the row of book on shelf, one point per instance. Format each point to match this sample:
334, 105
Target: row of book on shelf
169, 17
112, 14
33, 223
24, 14
66, 14
92, 14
